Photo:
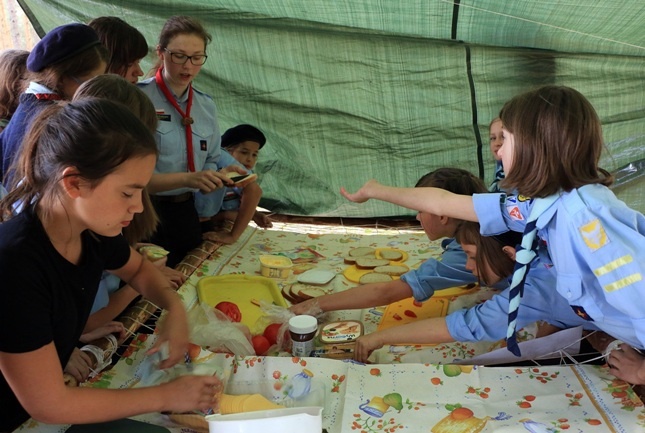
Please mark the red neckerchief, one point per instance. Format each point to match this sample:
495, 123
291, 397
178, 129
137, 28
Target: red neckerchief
186, 120
48, 96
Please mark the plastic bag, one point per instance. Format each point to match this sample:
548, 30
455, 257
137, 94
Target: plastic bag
213, 330
280, 315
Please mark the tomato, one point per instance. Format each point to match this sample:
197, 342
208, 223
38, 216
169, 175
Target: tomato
230, 309
271, 332
193, 351
260, 344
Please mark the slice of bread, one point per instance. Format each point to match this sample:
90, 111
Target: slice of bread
394, 270
362, 251
393, 255
286, 294
373, 277
308, 292
349, 260
370, 263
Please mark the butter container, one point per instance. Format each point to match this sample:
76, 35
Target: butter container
337, 340
275, 266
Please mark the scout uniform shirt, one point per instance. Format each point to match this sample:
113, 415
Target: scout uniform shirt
171, 135
597, 245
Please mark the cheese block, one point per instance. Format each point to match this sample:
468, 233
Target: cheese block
374, 277
394, 270
370, 263
362, 251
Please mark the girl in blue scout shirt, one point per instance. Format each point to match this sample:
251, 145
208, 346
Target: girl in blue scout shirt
490, 259
64, 58
447, 271
83, 185
243, 143
187, 135
552, 145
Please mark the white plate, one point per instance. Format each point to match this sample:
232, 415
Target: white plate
315, 276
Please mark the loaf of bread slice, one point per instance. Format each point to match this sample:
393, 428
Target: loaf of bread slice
370, 263
393, 255
308, 292
286, 294
374, 277
362, 251
349, 260
394, 270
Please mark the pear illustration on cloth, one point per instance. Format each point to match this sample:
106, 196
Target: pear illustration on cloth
394, 399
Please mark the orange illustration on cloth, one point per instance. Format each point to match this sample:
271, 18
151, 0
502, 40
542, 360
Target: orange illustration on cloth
460, 420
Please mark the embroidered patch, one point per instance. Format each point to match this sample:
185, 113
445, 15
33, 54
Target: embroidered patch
511, 200
515, 213
202, 145
594, 235
580, 312
163, 117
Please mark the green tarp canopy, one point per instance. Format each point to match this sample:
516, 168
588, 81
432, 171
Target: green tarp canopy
351, 90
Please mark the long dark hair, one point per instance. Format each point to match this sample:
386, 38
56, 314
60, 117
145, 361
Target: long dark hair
489, 250
124, 42
94, 135
116, 88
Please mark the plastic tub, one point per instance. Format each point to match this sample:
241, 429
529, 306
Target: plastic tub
290, 420
275, 266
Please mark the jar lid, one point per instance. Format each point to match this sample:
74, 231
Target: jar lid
303, 324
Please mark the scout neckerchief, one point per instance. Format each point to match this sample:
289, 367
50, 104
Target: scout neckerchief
41, 92
48, 96
186, 120
525, 254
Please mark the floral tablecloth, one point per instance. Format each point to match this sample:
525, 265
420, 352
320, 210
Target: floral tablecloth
408, 397
412, 389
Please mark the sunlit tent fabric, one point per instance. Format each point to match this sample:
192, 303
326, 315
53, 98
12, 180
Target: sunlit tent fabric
351, 90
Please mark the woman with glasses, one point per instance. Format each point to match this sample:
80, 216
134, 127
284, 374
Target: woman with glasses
188, 138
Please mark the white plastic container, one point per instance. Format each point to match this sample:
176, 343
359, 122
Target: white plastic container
290, 420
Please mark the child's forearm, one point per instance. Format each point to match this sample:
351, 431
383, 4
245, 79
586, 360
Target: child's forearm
248, 203
436, 201
428, 331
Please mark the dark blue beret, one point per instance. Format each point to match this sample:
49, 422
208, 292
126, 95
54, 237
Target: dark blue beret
241, 133
61, 44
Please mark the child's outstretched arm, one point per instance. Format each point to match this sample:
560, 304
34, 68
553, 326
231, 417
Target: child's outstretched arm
436, 201
363, 296
433, 330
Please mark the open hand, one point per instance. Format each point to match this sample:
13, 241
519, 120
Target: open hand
362, 195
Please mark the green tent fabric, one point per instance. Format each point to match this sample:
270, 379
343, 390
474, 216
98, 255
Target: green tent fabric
346, 91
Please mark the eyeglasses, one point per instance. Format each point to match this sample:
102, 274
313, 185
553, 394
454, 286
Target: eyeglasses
181, 59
